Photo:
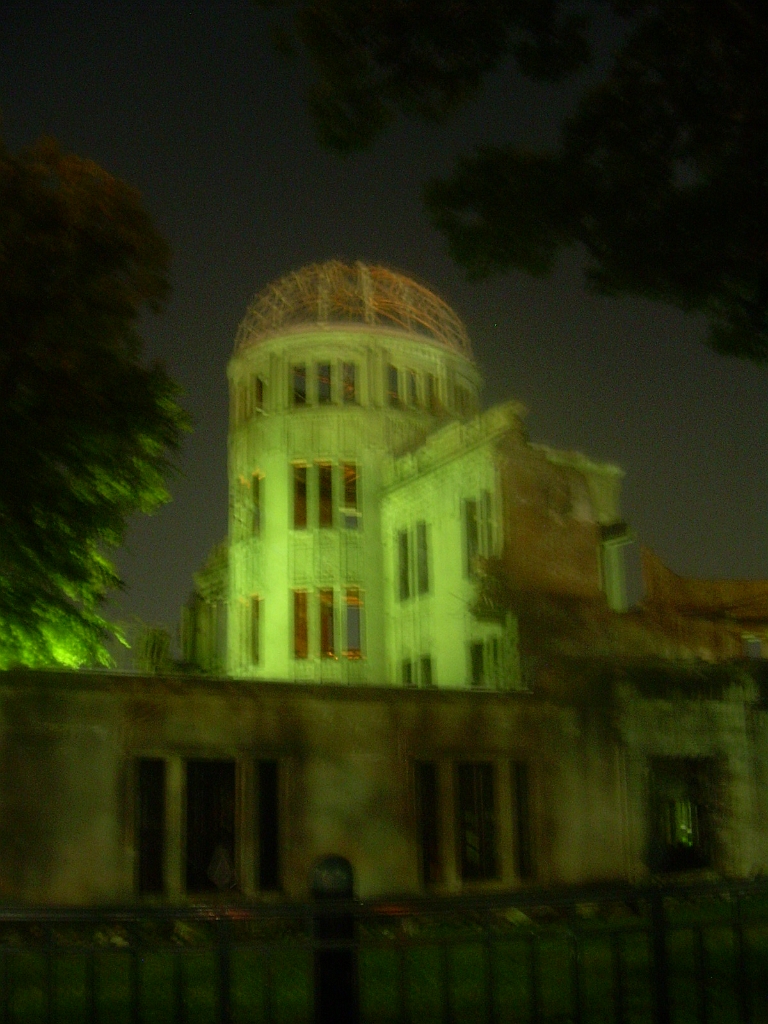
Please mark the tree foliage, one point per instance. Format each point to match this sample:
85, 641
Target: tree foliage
661, 174
87, 431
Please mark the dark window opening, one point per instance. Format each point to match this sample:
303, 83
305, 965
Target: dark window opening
476, 821
393, 385
324, 396
299, 497
151, 824
256, 496
349, 383
269, 826
471, 536
407, 672
255, 630
327, 643
426, 671
521, 794
433, 395
683, 799
300, 385
428, 822
325, 494
210, 826
351, 477
300, 629
404, 589
413, 395
422, 559
354, 624
258, 393
476, 664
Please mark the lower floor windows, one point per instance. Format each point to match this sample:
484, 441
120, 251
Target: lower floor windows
150, 813
210, 847
428, 822
327, 639
683, 793
268, 826
476, 821
521, 796
354, 604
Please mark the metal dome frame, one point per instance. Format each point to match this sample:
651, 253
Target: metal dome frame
334, 292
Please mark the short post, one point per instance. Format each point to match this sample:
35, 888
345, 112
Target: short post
661, 1012
335, 946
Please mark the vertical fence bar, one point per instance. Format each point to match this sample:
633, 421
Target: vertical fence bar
402, 981
49, 978
661, 1012
490, 976
576, 998
90, 972
742, 979
6, 976
268, 950
617, 966
134, 967
224, 937
179, 996
701, 974
445, 977
533, 979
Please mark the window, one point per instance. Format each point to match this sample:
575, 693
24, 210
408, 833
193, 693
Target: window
300, 385
404, 589
393, 385
268, 826
477, 668
426, 671
471, 536
256, 488
433, 395
210, 826
476, 821
682, 796
407, 672
324, 383
300, 628
522, 819
428, 822
422, 559
354, 605
463, 401
255, 629
327, 643
299, 497
350, 474
325, 494
411, 388
349, 383
258, 393
151, 824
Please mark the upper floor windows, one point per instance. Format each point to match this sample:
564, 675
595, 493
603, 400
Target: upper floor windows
317, 490
324, 393
299, 378
299, 497
348, 383
325, 494
478, 531
393, 385
413, 561
411, 388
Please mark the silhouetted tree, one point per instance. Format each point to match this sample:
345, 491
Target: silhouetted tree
86, 430
662, 170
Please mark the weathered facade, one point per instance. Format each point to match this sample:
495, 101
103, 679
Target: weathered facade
115, 787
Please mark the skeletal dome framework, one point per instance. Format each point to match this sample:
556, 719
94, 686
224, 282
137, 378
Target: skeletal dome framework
333, 292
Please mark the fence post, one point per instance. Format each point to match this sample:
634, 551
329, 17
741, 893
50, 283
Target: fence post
224, 928
336, 980
661, 1014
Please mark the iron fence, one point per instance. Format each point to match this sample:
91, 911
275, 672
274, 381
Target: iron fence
620, 953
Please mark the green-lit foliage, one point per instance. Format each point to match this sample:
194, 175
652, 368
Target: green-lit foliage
661, 174
86, 430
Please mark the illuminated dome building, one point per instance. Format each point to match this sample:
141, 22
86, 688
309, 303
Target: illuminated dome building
370, 499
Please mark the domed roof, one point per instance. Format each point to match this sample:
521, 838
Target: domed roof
333, 292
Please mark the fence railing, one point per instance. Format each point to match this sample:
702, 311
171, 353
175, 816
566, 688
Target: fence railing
609, 953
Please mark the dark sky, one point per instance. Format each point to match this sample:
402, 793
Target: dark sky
189, 103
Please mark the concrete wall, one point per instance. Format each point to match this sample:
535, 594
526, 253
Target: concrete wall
69, 744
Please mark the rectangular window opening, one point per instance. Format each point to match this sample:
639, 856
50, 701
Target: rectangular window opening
476, 663
404, 590
258, 393
413, 394
327, 641
325, 494
300, 626
210, 862
471, 536
393, 385
476, 821
350, 473
422, 559
269, 826
521, 793
407, 672
299, 497
300, 385
354, 625
349, 383
426, 671
256, 496
683, 793
255, 629
433, 394
324, 396
151, 824
428, 822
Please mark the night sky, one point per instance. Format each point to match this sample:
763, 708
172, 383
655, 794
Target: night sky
189, 103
